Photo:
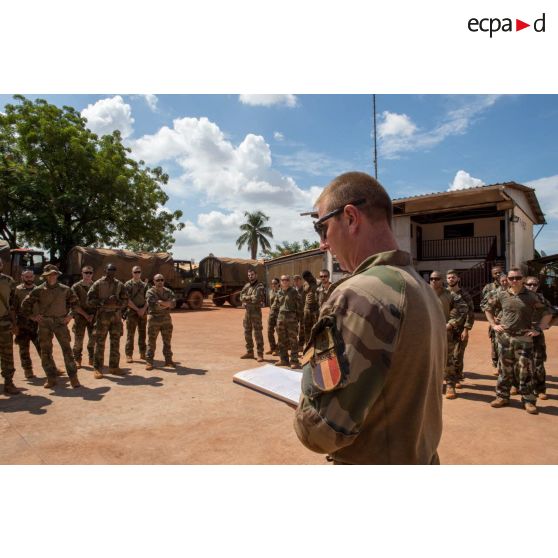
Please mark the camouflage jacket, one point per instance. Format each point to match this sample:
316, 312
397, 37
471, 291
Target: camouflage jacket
454, 307
373, 368
253, 294
470, 317
537, 316
487, 292
107, 296
7, 294
137, 291
286, 301
310, 297
80, 289
21, 293
517, 310
50, 301
323, 293
154, 296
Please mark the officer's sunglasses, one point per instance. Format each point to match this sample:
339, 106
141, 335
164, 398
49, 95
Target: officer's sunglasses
531, 284
319, 224
515, 277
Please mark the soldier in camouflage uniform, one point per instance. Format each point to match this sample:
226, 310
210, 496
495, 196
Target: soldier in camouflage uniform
7, 328
54, 305
109, 297
461, 334
496, 273
325, 288
84, 317
160, 301
252, 297
455, 311
539, 343
373, 367
137, 313
272, 319
310, 303
299, 287
515, 334
286, 307
26, 329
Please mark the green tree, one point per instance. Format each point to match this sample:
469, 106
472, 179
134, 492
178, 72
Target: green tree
285, 248
66, 186
255, 232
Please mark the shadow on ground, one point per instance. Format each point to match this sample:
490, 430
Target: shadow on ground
33, 404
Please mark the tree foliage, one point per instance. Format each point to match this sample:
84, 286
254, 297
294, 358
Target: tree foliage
255, 232
285, 248
61, 185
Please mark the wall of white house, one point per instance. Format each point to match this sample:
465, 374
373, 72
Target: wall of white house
489, 226
521, 233
402, 231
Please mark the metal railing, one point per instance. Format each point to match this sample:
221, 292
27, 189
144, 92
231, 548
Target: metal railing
458, 248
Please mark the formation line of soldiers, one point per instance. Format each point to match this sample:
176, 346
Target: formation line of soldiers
294, 310
37, 314
517, 316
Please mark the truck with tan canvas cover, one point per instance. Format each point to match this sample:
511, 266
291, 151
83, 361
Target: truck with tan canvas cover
179, 274
17, 260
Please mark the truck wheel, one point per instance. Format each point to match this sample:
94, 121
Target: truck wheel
234, 299
195, 300
219, 300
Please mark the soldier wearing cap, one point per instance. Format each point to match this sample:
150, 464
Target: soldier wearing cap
51, 305
136, 317
160, 301
108, 295
252, 297
84, 317
7, 328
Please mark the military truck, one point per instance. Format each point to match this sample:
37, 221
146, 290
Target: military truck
17, 260
179, 274
225, 277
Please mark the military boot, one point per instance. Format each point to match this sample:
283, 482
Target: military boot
248, 354
60, 372
129, 359
531, 408
10, 389
50, 382
260, 358
74, 381
450, 392
29, 374
270, 352
295, 365
283, 363
90, 361
500, 402
117, 371
513, 391
542, 396
98, 374
78, 362
170, 364
149, 366
142, 356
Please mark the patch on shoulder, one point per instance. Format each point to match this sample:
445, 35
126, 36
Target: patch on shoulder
326, 372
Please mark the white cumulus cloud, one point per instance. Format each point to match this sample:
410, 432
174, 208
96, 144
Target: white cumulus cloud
151, 101
393, 124
108, 115
463, 179
278, 136
269, 100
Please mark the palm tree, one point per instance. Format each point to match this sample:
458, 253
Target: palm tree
254, 233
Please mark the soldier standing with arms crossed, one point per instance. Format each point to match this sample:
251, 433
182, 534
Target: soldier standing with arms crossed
252, 297
55, 304
7, 328
137, 313
160, 301
109, 297
287, 309
515, 334
496, 273
373, 368
84, 317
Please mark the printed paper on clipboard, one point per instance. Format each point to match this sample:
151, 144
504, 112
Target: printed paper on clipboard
281, 383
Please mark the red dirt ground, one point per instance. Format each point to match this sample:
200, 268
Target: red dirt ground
196, 414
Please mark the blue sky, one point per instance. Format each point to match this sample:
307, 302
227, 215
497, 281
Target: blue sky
228, 153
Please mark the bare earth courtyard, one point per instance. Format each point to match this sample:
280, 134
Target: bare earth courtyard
197, 415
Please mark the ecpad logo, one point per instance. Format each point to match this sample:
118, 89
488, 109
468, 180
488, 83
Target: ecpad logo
493, 25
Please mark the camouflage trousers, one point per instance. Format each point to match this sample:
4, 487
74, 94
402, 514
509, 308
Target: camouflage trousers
450, 374
55, 327
539, 358
156, 324
25, 336
287, 326
107, 323
253, 322
309, 318
133, 322
300, 334
493, 346
459, 354
79, 327
6, 350
516, 361
271, 326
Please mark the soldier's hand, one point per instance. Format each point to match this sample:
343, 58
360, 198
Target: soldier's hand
498, 328
38, 318
464, 335
533, 333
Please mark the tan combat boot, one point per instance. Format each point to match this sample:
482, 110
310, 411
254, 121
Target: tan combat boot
60, 372
117, 371
450, 392
295, 365
282, 363
129, 359
142, 356
50, 383
10, 389
149, 366
542, 396
270, 352
170, 364
531, 408
78, 362
90, 362
29, 374
98, 374
500, 402
260, 358
248, 354
74, 381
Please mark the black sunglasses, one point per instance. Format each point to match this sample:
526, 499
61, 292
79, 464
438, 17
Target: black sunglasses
88, 273
531, 284
515, 278
318, 225
158, 280
435, 278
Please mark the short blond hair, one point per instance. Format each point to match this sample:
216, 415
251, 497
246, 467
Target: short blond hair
353, 186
